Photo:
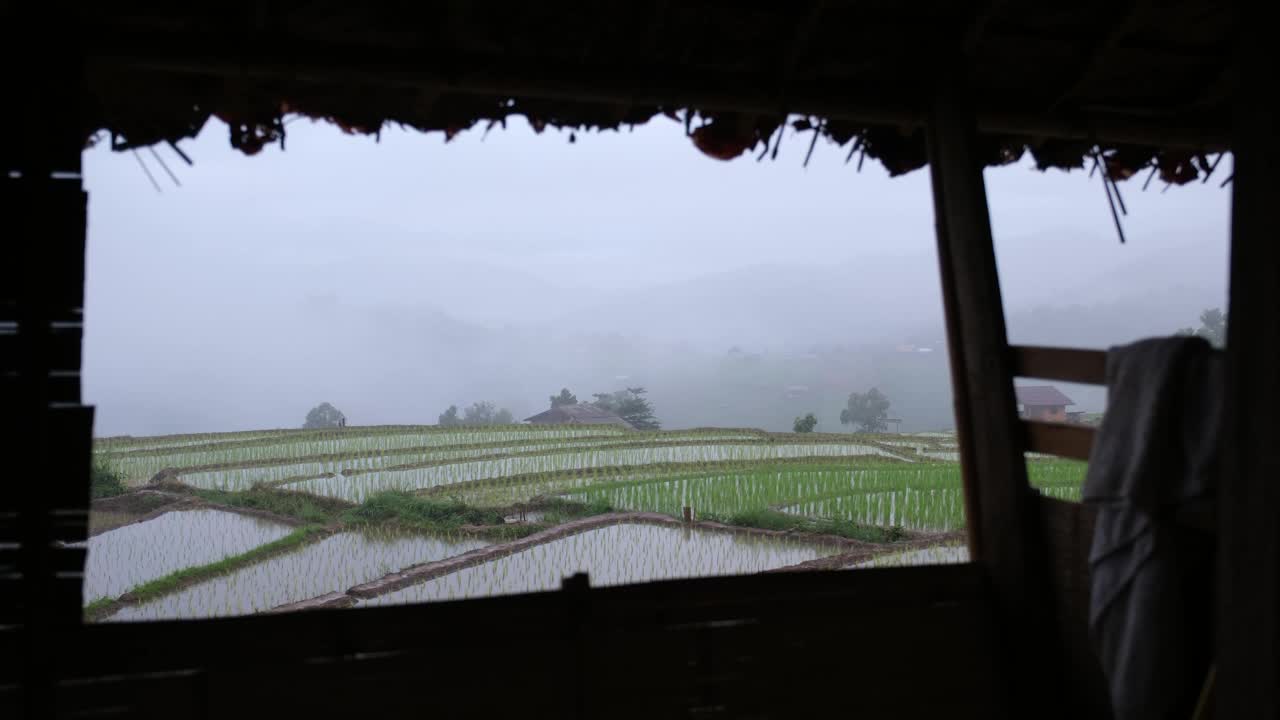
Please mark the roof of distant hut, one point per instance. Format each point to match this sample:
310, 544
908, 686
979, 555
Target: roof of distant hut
580, 414
1072, 83
1041, 396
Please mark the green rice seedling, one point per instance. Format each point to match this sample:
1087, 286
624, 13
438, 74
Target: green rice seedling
383, 448
359, 486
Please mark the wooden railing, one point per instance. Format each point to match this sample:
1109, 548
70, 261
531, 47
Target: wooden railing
1067, 365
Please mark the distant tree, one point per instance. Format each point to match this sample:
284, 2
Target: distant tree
480, 413
1213, 327
805, 424
630, 405
483, 413
868, 411
450, 417
564, 398
324, 415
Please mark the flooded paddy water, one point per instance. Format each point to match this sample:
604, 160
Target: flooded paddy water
334, 564
128, 556
469, 480
358, 487
613, 555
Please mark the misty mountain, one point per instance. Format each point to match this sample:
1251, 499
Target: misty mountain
774, 306
395, 278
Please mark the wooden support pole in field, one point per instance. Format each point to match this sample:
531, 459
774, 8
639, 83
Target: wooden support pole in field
1248, 620
1002, 517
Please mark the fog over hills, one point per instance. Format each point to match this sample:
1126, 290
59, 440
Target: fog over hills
396, 279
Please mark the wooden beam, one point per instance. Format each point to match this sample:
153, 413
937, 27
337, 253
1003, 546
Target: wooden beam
1061, 439
1065, 364
1001, 516
990, 440
41, 299
1248, 678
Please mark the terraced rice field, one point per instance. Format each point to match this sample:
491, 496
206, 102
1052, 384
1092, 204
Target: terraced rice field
613, 555
358, 486
333, 564
128, 556
362, 503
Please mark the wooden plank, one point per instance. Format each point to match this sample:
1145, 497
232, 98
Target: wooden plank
46, 258
63, 386
1002, 522
169, 695
1068, 532
63, 600
66, 525
1065, 364
164, 646
60, 350
659, 670
10, 701
43, 293
1248, 618
1061, 439
769, 645
65, 559
70, 457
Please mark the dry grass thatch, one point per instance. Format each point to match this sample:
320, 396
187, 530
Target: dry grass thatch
1072, 83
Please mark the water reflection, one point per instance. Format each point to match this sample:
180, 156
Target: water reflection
128, 556
331, 565
613, 555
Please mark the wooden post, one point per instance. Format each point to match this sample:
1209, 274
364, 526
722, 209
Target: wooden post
45, 497
1249, 509
987, 428
1001, 517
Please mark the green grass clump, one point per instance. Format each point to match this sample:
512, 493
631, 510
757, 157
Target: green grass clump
300, 506
98, 606
181, 578
421, 513
774, 520
557, 511
507, 533
105, 481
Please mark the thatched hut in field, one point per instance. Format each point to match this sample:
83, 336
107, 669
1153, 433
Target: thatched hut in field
578, 414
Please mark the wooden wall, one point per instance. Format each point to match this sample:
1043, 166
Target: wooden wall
910, 642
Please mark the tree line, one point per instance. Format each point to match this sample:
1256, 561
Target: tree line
867, 412
630, 404
479, 413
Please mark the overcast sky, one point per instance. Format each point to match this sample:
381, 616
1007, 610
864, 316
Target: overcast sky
231, 301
